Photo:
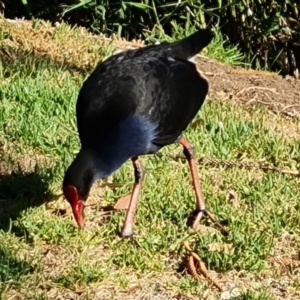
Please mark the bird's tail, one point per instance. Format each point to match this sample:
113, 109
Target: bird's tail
189, 46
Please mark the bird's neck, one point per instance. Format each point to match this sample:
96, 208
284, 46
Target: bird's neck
130, 138
89, 166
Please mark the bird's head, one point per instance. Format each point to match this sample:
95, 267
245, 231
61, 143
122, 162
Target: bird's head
77, 183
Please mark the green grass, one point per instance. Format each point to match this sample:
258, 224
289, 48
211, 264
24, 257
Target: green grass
219, 49
44, 256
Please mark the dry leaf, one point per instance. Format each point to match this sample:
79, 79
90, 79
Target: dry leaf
219, 247
284, 261
123, 202
204, 230
232, 293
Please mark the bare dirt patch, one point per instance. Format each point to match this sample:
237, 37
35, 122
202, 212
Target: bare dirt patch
250, 86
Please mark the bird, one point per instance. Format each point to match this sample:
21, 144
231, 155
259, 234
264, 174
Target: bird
135, 103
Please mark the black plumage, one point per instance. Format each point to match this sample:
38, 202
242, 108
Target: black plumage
135, 103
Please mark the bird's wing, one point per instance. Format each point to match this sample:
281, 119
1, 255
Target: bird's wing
174, 92
166, 91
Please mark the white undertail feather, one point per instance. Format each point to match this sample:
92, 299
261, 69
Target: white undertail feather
193, 59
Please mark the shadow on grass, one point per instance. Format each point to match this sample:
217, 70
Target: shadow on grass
12, 267
19, 191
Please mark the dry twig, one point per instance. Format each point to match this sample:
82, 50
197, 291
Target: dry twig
194, 263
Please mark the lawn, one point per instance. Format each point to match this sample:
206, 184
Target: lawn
42, 253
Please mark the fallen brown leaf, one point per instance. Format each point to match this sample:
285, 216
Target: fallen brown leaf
204, 230
123, 202
220, 247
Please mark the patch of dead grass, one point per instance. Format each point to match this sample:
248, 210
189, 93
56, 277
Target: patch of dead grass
77, 48
287, 127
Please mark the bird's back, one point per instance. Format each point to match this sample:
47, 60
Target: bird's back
144, 97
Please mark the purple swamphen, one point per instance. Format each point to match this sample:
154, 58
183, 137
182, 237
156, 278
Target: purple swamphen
135, 103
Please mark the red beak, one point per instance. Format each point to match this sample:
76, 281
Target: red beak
77, 205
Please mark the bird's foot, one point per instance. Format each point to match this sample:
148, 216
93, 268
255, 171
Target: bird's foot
199, 213
127, 231
127, 235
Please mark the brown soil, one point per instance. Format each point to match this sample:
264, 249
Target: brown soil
250, 86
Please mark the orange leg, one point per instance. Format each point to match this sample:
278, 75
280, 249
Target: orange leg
127, 229
200, 204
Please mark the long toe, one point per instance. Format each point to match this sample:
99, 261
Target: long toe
198, 214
